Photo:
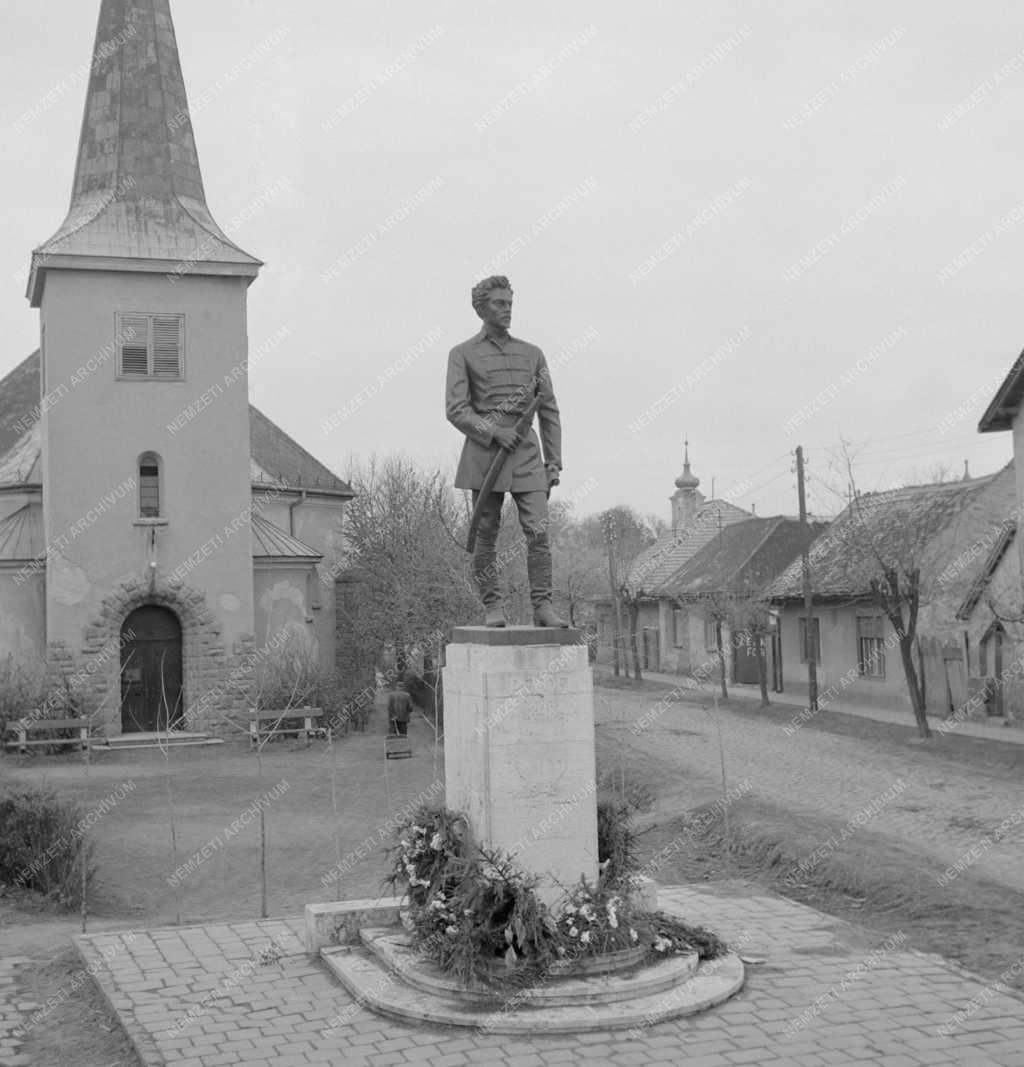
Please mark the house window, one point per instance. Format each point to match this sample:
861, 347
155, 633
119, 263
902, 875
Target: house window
815, 640
871, 646
678, 627
149, 486
710, 635
151, 347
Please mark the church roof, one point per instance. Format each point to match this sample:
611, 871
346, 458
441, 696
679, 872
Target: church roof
138, 191
284, 459
271, 542
21, 535
277, 459
674, 547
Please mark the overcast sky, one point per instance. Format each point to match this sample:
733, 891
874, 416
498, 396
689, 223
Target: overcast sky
756, 225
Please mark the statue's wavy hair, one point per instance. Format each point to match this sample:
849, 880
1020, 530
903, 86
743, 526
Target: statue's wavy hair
482, 289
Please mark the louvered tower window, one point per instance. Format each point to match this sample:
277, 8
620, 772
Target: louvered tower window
149, 486
151, 346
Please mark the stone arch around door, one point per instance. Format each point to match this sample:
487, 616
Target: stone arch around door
214, 677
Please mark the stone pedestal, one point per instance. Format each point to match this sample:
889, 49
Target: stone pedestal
519, 747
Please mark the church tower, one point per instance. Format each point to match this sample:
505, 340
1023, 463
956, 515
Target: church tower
145, 413
685, 500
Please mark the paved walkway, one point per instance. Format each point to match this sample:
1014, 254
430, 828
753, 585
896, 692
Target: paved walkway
14, 1011
896, 716
963, 816
202, 996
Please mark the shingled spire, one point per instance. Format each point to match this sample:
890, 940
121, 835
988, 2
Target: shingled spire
138, 201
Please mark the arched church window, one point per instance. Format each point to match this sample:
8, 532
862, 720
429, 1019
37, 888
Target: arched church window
149, 485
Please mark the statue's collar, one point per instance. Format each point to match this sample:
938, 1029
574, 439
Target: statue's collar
498, 339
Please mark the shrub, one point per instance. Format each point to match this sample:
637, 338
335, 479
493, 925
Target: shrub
292, 677
617, 848
43, 844
23, 688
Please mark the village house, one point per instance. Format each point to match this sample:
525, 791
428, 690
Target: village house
158, 535
694, 522
954, 533
717, 599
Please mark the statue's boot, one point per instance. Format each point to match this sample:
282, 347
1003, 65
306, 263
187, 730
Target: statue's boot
545, 615
495, 616
538, 567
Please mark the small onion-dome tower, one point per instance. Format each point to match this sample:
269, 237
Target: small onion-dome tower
686, 499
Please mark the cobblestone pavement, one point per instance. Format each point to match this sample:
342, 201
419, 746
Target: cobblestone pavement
14, 1008
960, 815
200, 997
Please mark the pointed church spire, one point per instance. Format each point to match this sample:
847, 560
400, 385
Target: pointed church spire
138, 201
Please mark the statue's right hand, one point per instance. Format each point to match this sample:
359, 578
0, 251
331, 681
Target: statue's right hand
506, 437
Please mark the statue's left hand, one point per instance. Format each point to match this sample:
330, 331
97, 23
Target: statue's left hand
553, 474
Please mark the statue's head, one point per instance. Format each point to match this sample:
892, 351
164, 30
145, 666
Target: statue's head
492, 301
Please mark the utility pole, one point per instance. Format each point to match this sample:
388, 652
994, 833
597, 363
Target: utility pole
805, 561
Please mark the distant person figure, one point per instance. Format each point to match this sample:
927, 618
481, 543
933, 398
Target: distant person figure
399, 710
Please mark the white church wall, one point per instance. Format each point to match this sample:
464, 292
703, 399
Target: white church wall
22, 613
95, 434
284, 615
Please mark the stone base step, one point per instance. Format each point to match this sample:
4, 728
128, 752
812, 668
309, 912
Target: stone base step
393, 948
377, 987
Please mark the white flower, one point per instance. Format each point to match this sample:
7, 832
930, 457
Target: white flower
435, 841
613, 920
467, 912
633, 935
451, 931
662, 944
585, 937
573, 931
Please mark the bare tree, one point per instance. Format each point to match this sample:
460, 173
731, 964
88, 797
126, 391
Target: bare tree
889, 541
625, 536
407, 569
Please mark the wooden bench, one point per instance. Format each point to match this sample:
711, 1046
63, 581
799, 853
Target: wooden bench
310, 723
22, 728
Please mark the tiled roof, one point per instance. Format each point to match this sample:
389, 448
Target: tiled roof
284, 458
19, 401
744, 557
277, 459
1006, 403
22, 464
21, 535
138, 191
660, 561
897, 523
271, 542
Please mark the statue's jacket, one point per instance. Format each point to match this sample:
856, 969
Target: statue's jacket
490, 383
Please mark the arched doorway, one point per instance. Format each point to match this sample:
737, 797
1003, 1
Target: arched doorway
151, 697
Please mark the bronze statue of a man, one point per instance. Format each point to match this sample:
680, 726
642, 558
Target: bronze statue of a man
493, 378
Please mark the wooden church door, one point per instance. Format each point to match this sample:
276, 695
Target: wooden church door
150, 671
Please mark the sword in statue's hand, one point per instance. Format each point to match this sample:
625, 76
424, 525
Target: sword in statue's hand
521, 428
